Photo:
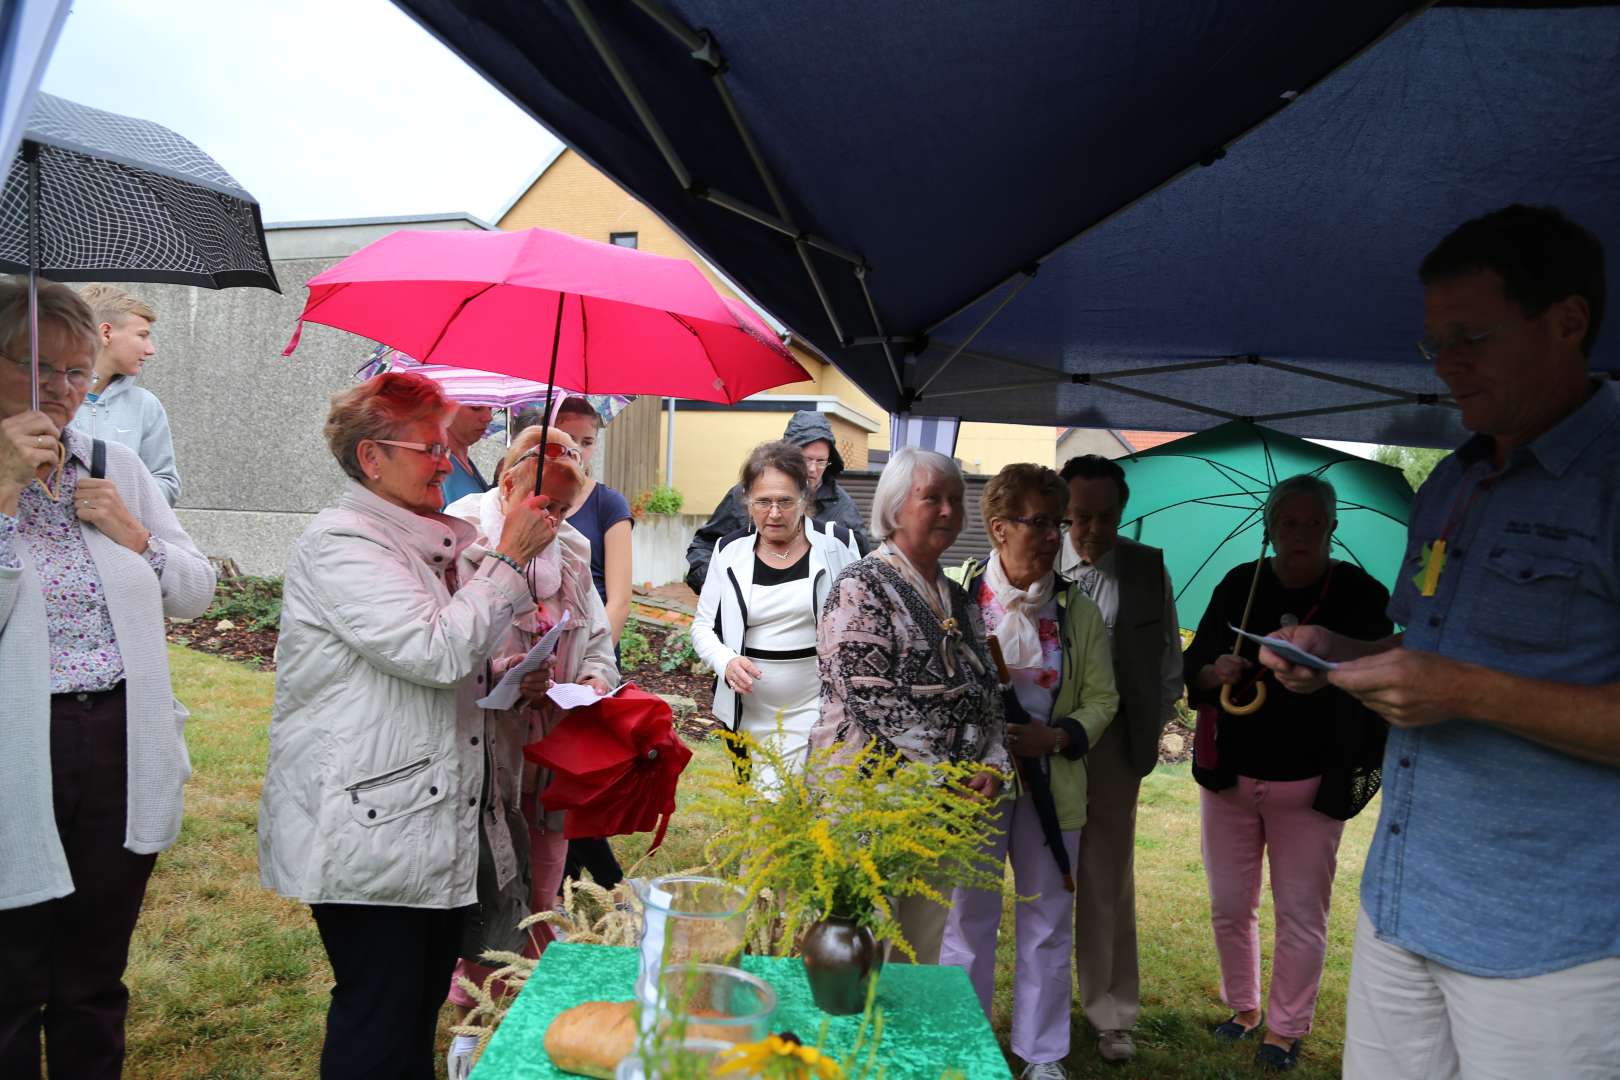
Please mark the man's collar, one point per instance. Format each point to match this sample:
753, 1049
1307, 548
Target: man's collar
1557, 448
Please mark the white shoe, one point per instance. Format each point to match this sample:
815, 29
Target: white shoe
1046, 1070
458, 1061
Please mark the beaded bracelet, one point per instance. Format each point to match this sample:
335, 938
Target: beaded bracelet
509, 561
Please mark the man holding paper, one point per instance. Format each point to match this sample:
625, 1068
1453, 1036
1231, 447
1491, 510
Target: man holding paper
1489, 943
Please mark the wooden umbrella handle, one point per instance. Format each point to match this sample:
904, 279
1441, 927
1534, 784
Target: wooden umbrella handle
1252, 706
1259, 699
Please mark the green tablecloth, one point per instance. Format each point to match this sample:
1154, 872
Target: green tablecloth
931, 1018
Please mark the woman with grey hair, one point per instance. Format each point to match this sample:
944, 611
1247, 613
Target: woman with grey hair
1283, 778
91, 560
902, 652
378, 748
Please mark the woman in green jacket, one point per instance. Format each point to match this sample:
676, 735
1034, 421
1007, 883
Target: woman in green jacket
1059, 699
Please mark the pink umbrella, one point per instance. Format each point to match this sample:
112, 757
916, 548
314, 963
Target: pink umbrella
551, 307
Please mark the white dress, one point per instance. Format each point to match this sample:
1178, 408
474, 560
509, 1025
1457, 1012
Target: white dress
781, 641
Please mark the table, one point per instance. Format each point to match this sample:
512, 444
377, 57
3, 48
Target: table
931, 1017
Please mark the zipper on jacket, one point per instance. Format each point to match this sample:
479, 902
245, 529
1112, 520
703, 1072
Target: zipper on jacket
402, 773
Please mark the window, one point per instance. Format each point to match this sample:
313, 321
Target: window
623, 239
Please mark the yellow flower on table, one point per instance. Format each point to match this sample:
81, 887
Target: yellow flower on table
779, 1059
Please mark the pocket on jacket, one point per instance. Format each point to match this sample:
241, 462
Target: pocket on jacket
181, 714
406, 788
1528, 598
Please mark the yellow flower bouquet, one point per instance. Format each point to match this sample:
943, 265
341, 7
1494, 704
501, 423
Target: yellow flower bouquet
846, 836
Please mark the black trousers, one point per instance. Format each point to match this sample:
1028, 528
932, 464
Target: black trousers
62, 961
595, 855
392, 968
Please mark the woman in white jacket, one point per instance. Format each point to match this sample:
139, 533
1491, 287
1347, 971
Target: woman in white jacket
560, 581
756, 618
374, 787
92, 755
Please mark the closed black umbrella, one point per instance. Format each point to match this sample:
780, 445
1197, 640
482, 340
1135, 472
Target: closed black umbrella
93, 195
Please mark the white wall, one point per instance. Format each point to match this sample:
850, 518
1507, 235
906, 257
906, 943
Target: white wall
658, 547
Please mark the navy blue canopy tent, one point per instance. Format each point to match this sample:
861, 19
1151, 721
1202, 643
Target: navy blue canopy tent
1161, 214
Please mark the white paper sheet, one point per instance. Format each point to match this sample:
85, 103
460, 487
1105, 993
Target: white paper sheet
571, 695
505, 694
1290, 652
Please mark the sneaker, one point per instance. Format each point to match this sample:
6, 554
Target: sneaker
1275, 1057
458, 1061
1046, 1070
1232, 1028
1115, 1045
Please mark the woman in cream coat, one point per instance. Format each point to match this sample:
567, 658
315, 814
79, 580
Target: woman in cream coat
375, 784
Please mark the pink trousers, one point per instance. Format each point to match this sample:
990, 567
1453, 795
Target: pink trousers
1247, 822
548, 851
1043, 990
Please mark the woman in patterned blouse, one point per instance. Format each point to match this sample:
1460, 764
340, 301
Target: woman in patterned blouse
903, 659
91, 560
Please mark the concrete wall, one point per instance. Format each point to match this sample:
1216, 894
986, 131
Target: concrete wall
247, 421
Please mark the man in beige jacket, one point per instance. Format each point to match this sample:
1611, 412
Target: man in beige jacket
1129, 584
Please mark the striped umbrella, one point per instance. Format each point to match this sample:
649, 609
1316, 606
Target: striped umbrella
470, 386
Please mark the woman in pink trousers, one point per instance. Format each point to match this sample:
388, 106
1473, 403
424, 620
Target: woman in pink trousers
1282, 780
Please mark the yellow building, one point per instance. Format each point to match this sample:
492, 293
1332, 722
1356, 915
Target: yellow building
569, 195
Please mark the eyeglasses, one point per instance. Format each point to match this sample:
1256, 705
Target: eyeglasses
765, 506
817, 463
433, 450
1462, 340
1042, 523
552, 450
76, 377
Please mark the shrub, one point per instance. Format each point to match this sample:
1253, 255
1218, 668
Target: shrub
678, 653
662, 500
250, 602
634, 648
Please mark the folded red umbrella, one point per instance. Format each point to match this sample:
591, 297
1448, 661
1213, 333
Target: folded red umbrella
616, 766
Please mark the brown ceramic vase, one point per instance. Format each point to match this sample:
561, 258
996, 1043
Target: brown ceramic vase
840, 960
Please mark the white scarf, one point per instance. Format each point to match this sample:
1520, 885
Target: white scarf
1020, 639
545, 569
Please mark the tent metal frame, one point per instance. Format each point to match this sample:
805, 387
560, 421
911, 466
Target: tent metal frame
702, 47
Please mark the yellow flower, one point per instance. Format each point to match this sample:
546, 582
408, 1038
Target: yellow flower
758, 1056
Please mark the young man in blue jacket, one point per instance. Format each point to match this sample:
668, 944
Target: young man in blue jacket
116, 409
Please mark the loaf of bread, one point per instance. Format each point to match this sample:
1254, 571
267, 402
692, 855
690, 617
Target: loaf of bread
591, 1039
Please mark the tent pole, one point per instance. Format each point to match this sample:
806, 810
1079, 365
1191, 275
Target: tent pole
1029, 276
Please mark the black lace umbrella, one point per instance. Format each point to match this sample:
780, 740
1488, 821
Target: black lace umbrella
94, 196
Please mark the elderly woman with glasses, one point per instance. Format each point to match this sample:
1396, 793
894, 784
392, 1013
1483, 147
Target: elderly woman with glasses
1059, 700
902, 652
377, 775
756, 617
520, 866
91, 561
1279, 782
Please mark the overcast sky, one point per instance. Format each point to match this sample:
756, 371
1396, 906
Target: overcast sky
320, 108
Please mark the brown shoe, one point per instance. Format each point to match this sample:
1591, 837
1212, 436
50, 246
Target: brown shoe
1116, 1045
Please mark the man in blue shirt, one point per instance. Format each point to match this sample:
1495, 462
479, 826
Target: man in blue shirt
1489, 941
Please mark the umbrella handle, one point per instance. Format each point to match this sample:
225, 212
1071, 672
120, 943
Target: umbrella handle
1243, 710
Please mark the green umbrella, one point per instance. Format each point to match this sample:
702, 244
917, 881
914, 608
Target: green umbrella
1200, 499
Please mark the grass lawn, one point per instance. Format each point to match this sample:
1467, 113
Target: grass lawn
230, 981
